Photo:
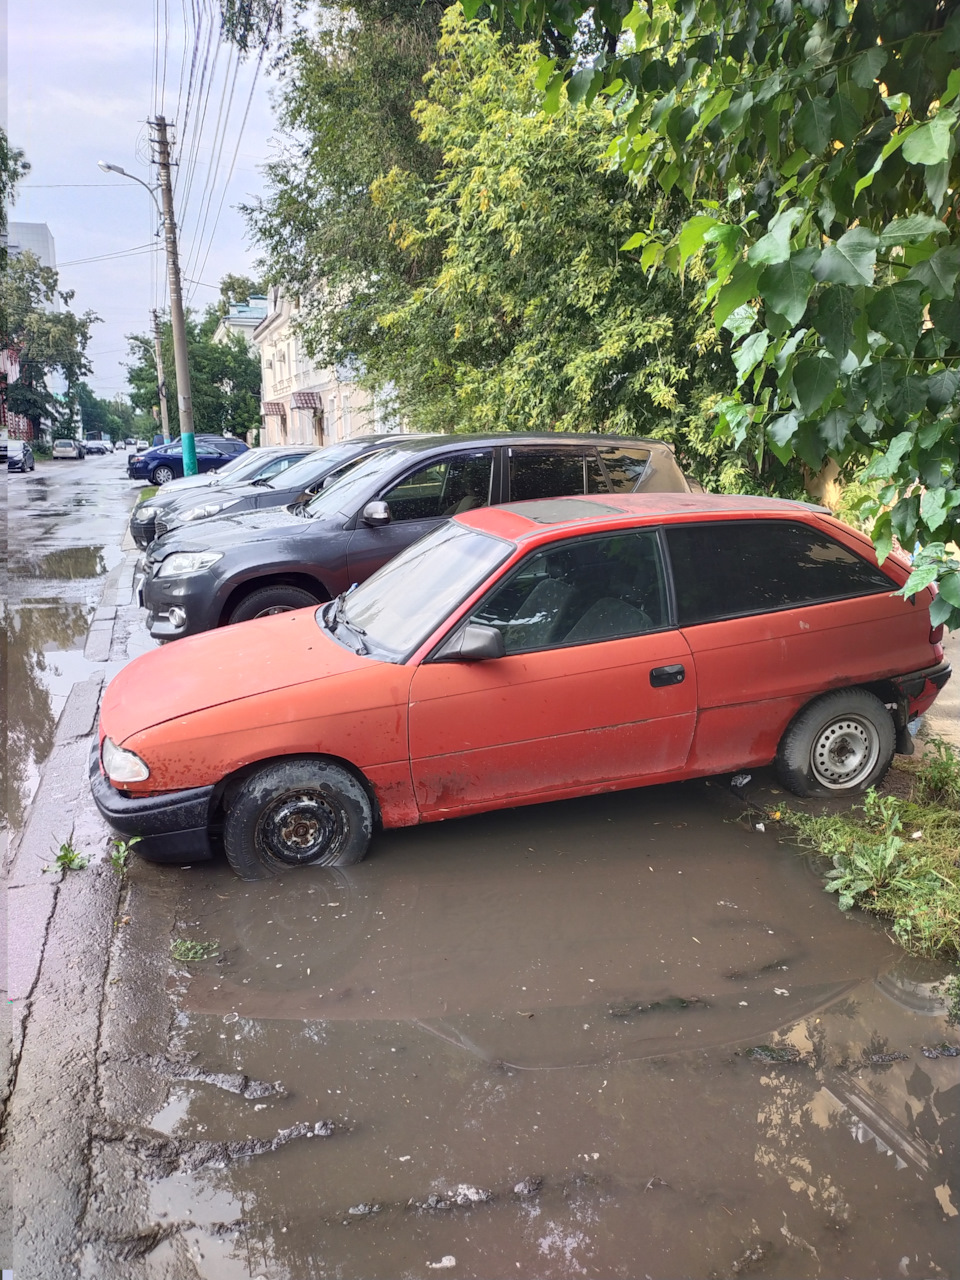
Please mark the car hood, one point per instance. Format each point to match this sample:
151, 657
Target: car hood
221, 532
173, 488
218, 667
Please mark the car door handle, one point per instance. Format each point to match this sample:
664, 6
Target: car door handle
673, 674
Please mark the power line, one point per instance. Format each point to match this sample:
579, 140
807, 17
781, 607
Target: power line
120, 253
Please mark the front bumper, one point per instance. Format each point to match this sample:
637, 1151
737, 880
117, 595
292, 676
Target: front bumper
178, 606
172, 827
143, 532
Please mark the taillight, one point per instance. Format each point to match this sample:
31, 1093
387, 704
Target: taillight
936, 634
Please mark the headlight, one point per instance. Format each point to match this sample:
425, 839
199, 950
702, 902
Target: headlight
144, 514
183, 562
208, 509
122, 766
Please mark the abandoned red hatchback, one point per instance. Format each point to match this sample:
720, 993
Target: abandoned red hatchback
523, 653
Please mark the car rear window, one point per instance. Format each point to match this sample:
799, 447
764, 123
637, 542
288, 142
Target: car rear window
727, 568
625, 467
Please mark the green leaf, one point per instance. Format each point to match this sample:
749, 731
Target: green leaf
935, 504
897, 313
813, 128
911, 230
949, 586
775, 245
945, 314
941, 611
740, 322
834, 319
883, 536
932, 143
780, 433
748, 356
740, 288
808, 446
886, 464
815, 378
939, 272
942, 388
551, 97
786, 286
692, 236
920, 578
835, 430
852, 260
579, 84
636, 240
868, 66
936, 179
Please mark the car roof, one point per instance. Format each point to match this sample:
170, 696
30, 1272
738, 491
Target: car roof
519, 521
469, 440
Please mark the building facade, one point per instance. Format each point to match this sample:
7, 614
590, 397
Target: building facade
243, 318
303, 403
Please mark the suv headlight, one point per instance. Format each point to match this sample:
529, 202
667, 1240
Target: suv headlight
122, 766
208, 509
143, 514
182, 563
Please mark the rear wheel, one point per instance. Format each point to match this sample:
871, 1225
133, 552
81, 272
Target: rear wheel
297, 813
162, 475
842, 742
268, 600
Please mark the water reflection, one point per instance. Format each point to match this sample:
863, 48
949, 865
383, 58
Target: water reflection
65, 564
37, 639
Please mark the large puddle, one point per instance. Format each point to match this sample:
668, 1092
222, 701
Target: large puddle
624, 1036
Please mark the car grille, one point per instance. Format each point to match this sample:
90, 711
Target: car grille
161, 527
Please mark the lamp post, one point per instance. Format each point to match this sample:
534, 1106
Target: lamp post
180, 359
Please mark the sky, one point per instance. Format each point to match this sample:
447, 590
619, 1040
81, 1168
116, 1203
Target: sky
83, 80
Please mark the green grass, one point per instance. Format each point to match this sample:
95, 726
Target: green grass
899, 858
147, 493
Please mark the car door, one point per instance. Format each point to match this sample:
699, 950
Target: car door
776, 612
596, 689
418, 502
210, 458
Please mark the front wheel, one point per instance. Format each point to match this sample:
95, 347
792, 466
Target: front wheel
269, 600
297, 813
842, 742
162, 475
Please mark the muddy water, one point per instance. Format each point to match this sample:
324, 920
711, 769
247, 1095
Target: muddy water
64, 531
625, 1036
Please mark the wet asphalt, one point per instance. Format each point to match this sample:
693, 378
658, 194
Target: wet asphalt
620, 1036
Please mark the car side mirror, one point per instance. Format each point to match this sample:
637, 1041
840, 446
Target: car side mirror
476, 642
375, 514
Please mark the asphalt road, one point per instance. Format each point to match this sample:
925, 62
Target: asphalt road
620, 1036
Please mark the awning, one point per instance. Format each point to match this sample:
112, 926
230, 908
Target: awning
273, 409
306, 400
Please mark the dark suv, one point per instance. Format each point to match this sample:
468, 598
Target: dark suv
233, 569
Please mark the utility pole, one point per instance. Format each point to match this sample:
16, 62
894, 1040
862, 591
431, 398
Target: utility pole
180, 359
161, 380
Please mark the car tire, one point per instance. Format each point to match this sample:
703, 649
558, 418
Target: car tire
297, 813
840, 743
269, 600
163, 475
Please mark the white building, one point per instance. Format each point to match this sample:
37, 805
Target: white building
302, 403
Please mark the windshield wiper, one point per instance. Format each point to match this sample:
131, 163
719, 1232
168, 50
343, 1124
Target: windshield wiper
340, 618
263, 483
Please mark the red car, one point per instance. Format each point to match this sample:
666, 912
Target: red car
522, 653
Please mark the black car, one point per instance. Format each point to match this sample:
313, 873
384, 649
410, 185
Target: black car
20, 456
165, 462
261, 562
255, 466
291, 487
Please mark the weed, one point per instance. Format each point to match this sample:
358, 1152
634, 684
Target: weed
68, 859
187, 949
120, 853
938, 774
949, 988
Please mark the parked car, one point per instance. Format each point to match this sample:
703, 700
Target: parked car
255, 466
97, 446
291, 488
20, 456
239, 567
67, 449
161, 463
524, 653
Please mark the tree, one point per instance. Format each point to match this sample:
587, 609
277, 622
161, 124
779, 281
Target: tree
815, 145
224, 377
13, 167
44, 341
525, 315
237, 289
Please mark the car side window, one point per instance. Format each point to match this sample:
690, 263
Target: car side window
583, 591
550, 473
624, 466
443, 488
727, 569
275, 467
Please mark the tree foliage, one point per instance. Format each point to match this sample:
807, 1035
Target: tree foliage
224, 377
815, 145
46, 341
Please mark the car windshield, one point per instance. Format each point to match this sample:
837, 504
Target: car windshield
315, 465
243, 465
395, 610
343, 494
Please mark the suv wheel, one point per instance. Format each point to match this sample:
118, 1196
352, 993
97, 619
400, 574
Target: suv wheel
268, 600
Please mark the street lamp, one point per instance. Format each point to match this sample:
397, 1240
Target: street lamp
180, 359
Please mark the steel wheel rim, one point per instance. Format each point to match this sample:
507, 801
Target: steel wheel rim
274, 608
301, 827
844, 752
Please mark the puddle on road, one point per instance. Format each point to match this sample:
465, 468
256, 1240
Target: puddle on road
66, 564
531, 1033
